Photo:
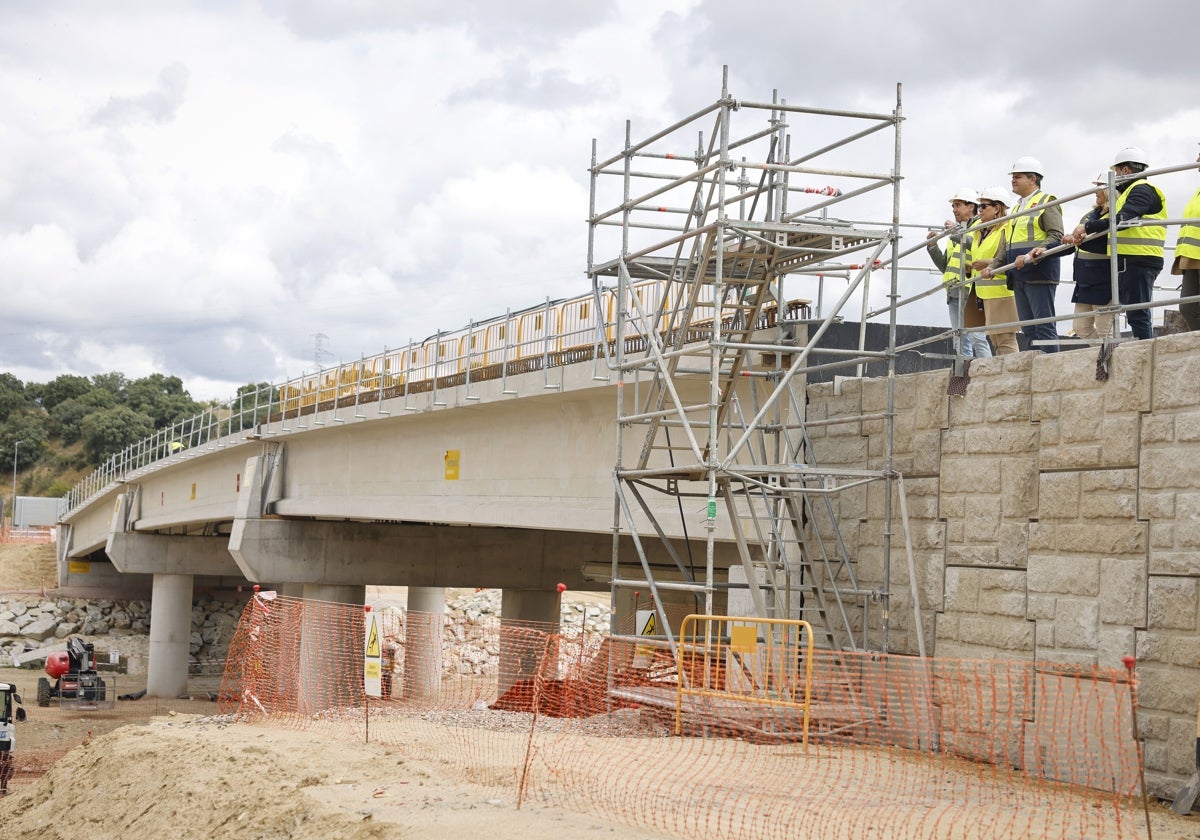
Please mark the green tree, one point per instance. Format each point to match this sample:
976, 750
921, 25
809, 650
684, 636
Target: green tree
28, 425
113, 382
12, 395
63, 387
68, 415
161, 398
249, 407
109, 431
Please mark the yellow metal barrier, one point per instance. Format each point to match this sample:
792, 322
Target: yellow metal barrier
745, 672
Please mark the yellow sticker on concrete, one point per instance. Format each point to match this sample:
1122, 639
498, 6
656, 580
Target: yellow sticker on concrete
452, 459
79, 567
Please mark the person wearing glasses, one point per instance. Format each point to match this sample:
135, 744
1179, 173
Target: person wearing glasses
999, 305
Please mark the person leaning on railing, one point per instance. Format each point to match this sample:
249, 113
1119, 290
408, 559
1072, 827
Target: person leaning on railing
955, 265
1034, 280
1140, 248
1093, 282
1187, 261
999, 306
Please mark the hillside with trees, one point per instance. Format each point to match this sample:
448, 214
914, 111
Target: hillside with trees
69, 426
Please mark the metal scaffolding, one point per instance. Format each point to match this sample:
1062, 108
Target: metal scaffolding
712, 369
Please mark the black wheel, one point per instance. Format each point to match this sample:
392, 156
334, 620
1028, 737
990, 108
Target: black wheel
43, 697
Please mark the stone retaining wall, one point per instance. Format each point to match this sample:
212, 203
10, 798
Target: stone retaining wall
1054, 517
32, 626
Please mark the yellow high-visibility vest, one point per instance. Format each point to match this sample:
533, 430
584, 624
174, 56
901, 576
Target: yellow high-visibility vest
1189, 235
958, 254
1027, 231
1147, 240
984, 248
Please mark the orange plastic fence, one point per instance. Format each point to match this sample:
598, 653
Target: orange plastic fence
897, 747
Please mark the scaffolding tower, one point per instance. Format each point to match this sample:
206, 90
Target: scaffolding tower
706, 251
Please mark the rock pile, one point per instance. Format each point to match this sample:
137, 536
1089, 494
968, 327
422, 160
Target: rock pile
470, 630
31, 625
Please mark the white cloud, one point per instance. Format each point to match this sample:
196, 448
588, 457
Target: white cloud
199, 188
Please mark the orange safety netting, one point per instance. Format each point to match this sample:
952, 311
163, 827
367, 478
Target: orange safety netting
890, 745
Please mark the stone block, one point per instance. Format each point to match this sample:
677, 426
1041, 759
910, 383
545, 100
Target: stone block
1063, 575
1058, 495
1044, 406
1175, 378
1115, 643
1129, 377
1013, 545
1007, 409
1123, 591
1004, 440
1077, 624
1040, 607
1187, 426
1157, 428
1120, 438
1018, 487
1162, 535
1171, 603
40, 629
1080, 416
1153, 646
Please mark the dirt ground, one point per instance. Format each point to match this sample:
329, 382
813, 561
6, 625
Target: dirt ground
173, 768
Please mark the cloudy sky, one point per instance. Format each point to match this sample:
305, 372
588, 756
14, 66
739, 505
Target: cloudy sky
202, 188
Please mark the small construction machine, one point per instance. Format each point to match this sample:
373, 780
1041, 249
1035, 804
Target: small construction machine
10, 713
75, 677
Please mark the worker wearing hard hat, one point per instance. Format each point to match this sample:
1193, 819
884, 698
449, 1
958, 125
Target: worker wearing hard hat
988, 238
1034, 279
1140, 248
1187, 261
1091, 273
955, 265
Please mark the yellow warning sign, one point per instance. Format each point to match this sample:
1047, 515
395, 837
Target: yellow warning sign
452, 458
647, 625
372, 657
373, 649
648, 629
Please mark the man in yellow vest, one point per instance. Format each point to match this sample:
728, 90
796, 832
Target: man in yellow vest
955, 265
1034, 279
1187, 261
1140, 248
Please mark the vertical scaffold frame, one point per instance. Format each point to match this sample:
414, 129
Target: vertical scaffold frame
710, 353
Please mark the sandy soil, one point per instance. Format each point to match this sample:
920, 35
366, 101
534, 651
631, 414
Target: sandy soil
147, 770
27, 567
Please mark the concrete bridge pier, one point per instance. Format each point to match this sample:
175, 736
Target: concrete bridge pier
525, 617
331, 645
170, 633
423, 642
173, 561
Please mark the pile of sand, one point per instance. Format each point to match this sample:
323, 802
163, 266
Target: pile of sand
198, 777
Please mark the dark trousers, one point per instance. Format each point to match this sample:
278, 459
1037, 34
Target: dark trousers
1191, 286
1036, 300
1135, 284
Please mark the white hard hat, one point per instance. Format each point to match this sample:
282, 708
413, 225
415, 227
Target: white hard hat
998, 195
1131, 154
1101, 179
1027, 164
965, 194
